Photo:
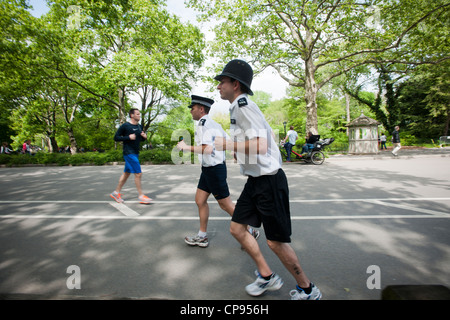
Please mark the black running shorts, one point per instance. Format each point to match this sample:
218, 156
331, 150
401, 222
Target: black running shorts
265, 200
214, 180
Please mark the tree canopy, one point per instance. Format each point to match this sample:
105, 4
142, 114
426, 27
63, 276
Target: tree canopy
90, 61
312, 42
70, 76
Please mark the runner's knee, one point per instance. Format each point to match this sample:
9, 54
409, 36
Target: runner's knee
237, 230
273, 245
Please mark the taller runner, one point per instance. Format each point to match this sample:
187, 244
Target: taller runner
265, 198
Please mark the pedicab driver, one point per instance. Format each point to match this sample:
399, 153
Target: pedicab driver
213, 178
265, 198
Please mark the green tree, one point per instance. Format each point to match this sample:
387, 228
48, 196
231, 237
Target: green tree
85, 57
178, 118
311, 42
134, 46
424, 102
15, 21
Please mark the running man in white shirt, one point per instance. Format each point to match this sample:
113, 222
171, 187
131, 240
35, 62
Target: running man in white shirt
213, 178
265, 198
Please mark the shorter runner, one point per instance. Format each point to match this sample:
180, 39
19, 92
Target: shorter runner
131, 134
213, 178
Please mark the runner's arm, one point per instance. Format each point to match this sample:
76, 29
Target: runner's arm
256, 145
203, 149
119, 136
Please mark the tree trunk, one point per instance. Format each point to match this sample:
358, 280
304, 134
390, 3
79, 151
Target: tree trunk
52, 145
310, 97
347, 108
73, 141
122, 116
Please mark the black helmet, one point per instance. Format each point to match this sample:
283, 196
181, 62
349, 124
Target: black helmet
238, 70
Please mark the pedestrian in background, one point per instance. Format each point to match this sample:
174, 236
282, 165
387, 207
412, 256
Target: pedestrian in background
291, 138
383, 141
396, 141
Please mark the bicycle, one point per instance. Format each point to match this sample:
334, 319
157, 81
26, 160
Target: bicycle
315, 155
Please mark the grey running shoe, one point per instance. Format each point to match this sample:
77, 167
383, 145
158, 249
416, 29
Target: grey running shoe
197, 241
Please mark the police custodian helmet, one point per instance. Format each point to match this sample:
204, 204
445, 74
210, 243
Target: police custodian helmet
206, 102
238, 70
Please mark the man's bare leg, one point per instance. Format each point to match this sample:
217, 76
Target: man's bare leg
201, 198
249, 244
137, 181
290, 260
123, 178
227, 205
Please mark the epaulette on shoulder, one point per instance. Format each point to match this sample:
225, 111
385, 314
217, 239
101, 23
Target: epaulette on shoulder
242, 102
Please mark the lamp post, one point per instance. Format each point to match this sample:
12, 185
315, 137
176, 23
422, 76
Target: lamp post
284, 124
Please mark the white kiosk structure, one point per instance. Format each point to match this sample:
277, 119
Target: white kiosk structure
363, 135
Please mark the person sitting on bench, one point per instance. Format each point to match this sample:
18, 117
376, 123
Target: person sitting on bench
310, 140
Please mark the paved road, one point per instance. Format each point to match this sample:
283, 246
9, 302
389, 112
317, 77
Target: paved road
347, 214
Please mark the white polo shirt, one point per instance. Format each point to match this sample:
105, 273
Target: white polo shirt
248, 122
205, 133
293, 136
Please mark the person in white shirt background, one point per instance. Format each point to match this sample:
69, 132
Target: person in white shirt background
291, 138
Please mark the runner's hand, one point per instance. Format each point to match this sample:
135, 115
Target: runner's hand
182, 145
220, 143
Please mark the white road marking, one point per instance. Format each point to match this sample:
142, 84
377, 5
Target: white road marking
212, 202
375, 199
93, 217
129, 213
124, 209
409, 208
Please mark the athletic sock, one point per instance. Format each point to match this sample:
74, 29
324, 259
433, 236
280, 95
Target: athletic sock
268, 277
306, 290
202, 234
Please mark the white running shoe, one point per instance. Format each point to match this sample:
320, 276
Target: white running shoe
299, 294
261, 285
197, 241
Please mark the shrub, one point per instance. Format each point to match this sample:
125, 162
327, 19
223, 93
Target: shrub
154, 156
